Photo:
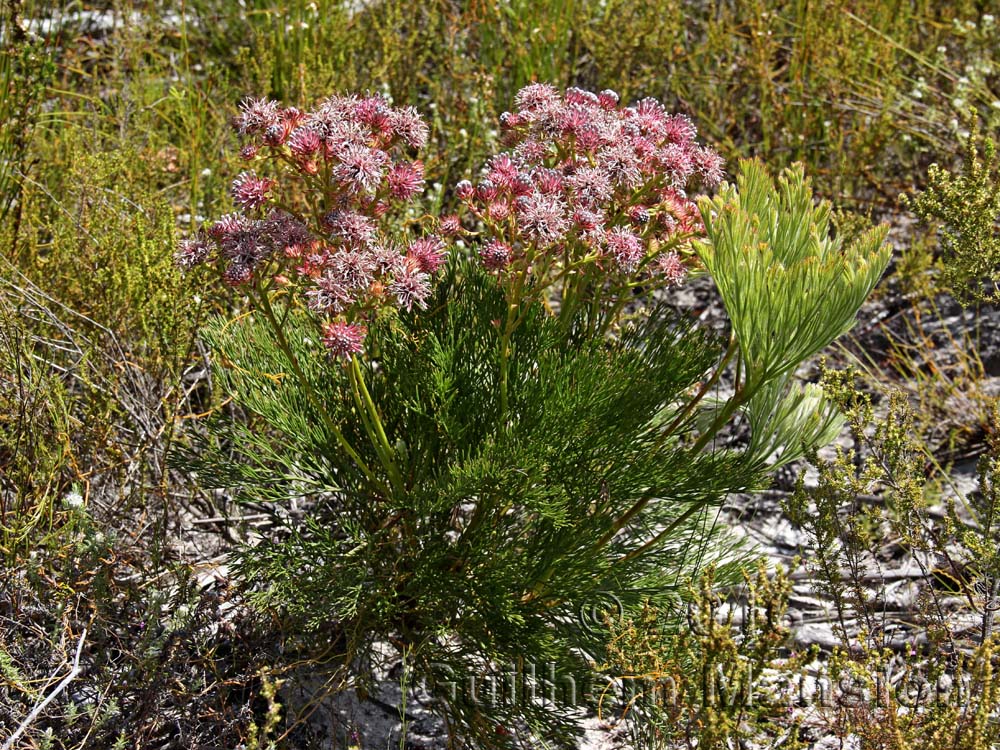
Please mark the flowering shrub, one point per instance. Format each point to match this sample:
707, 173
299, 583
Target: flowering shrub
481, 461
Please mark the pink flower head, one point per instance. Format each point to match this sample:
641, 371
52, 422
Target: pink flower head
509, 120
276, 134
229, 224
354, 269
626, 248
589, 138
334, 109
679, 129
360, 168
651, 117
242, 240
548, 181
249, 191
464, 190
572, 120
339, 135
709, 165
237, 273
580, 96
522, 185
256, 115
329, 295
590, 186
192, 251
350, 228
388, 260
644, 149
305, 141
313, 264
503, 171
486, 191
405, 179
676, 162
496, 255
586, 220
344, 339
411, 287
532, 151
428, 253
498, 210
669, 266
687, 217
450, 225
291, 118
608, 99
621, 164
536, 96
286, 231
542, 218
374, 111
407, 123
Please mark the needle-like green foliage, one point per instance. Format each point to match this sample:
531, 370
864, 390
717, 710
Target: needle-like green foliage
785, 422
790, 289
788, 286
507, 528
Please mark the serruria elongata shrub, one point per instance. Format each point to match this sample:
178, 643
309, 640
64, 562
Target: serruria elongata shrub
484, 459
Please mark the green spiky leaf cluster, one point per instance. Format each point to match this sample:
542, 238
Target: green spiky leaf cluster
790, 289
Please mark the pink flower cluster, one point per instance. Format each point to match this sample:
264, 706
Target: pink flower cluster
338, 171
586, 178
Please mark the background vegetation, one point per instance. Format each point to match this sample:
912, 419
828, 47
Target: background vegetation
115, 136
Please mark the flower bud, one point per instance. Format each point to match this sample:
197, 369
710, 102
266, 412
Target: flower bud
522, 185
237, 274
548, 181
275, 134
639, 215
575, 95
464, 190
608, 99
450, 225
496, 255
498, 210
487, 191
509, 120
